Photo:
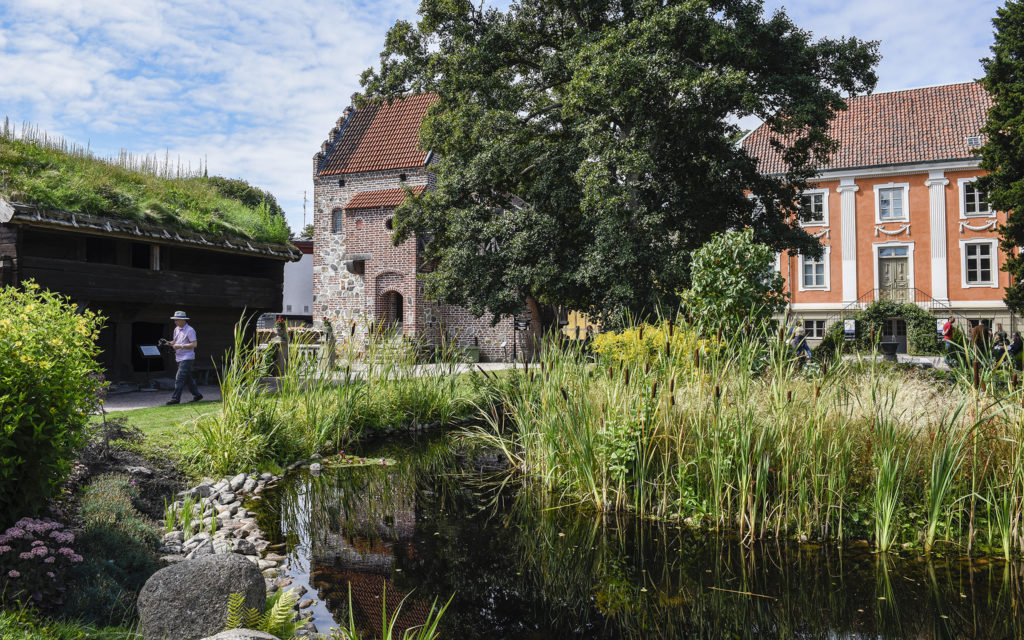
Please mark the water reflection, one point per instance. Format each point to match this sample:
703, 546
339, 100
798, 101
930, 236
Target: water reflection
439, 523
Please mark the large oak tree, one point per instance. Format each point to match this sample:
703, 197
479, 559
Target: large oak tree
587, 147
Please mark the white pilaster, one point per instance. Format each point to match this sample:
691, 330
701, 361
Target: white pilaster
848, 212
937, 227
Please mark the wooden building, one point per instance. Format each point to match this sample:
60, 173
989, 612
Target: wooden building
137, 274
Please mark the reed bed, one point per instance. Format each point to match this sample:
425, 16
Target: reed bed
319, 405
731, 433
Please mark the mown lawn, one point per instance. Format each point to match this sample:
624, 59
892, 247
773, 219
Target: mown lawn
162, 426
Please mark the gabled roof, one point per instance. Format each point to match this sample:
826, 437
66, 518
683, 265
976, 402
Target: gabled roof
380, 198
380, 136
898, 127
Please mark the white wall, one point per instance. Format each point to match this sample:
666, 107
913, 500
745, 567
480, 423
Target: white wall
298, 287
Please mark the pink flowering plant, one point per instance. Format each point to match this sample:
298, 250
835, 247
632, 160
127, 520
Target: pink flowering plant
35, 558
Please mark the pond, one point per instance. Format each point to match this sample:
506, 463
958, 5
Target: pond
444, 521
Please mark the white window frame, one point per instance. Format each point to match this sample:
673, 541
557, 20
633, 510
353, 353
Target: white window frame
824, 207
906, 202
815, 320
910, 260
994, 244
826, 258
962, 183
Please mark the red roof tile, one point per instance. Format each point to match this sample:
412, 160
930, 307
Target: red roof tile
380, 198
898, 127
380, 136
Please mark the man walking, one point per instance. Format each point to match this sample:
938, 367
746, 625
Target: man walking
184, 345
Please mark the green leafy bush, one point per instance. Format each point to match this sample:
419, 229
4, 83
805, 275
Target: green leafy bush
922, 337
733, 282
119, 546
46, 391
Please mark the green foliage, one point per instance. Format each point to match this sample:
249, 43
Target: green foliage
277, 617
733, 282
322, 404
425, 631
1002, 154
922, 337
35, 173
119, 547
47, 389
25, 624
740, 438
590, 149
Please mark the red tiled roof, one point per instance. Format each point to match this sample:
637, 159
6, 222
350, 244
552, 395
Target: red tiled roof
380, 198
898, 127
380, 136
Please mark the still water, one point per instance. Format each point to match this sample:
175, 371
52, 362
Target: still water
444, 521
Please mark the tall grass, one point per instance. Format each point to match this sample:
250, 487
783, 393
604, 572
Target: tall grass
313, 407
730, 433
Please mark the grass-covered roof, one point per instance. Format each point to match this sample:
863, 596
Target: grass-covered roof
38, 171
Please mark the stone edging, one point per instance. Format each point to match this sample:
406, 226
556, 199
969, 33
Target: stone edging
236, 532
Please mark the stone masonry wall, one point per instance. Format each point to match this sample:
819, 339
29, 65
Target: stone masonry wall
347, 298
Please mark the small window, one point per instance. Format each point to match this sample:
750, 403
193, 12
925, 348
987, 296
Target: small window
358, 267
893, 252
813, 272
389, 224
402, 177
288, 308
890, 204
975, 201
336, 217
359, 223
978, 263
973, 142
812, 208
814, 329
341, 183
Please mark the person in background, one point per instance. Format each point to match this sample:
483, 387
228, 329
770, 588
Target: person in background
1000, 342
1015, 349
184, 344
799, 342
947, 333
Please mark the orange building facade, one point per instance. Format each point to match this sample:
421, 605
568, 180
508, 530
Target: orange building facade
897, 213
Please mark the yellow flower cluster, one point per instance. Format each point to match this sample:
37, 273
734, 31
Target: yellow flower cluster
646, 343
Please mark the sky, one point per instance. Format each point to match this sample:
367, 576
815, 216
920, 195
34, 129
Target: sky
253, 87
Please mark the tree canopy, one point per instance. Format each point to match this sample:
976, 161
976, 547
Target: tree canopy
584, 149
1003, 152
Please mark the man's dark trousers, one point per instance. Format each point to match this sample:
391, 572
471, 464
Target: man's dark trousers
184, 377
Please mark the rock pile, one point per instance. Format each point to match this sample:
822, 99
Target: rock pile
235, 530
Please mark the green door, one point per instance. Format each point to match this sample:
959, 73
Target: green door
894, 274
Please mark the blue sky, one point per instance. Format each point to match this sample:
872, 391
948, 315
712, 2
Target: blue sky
254, 86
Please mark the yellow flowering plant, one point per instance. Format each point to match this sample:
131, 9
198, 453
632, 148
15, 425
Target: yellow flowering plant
47, 356
645, 343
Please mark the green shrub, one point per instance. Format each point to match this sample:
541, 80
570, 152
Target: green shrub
118, 545
733, 282
922, 337
47, 355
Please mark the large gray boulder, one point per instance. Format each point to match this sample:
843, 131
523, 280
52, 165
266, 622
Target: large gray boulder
242, 634
189, 600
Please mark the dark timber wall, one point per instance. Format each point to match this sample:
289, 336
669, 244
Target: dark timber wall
138, 285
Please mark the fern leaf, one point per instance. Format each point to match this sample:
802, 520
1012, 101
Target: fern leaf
236, 611
279, 617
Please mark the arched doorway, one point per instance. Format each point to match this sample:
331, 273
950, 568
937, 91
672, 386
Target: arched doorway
390, 310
